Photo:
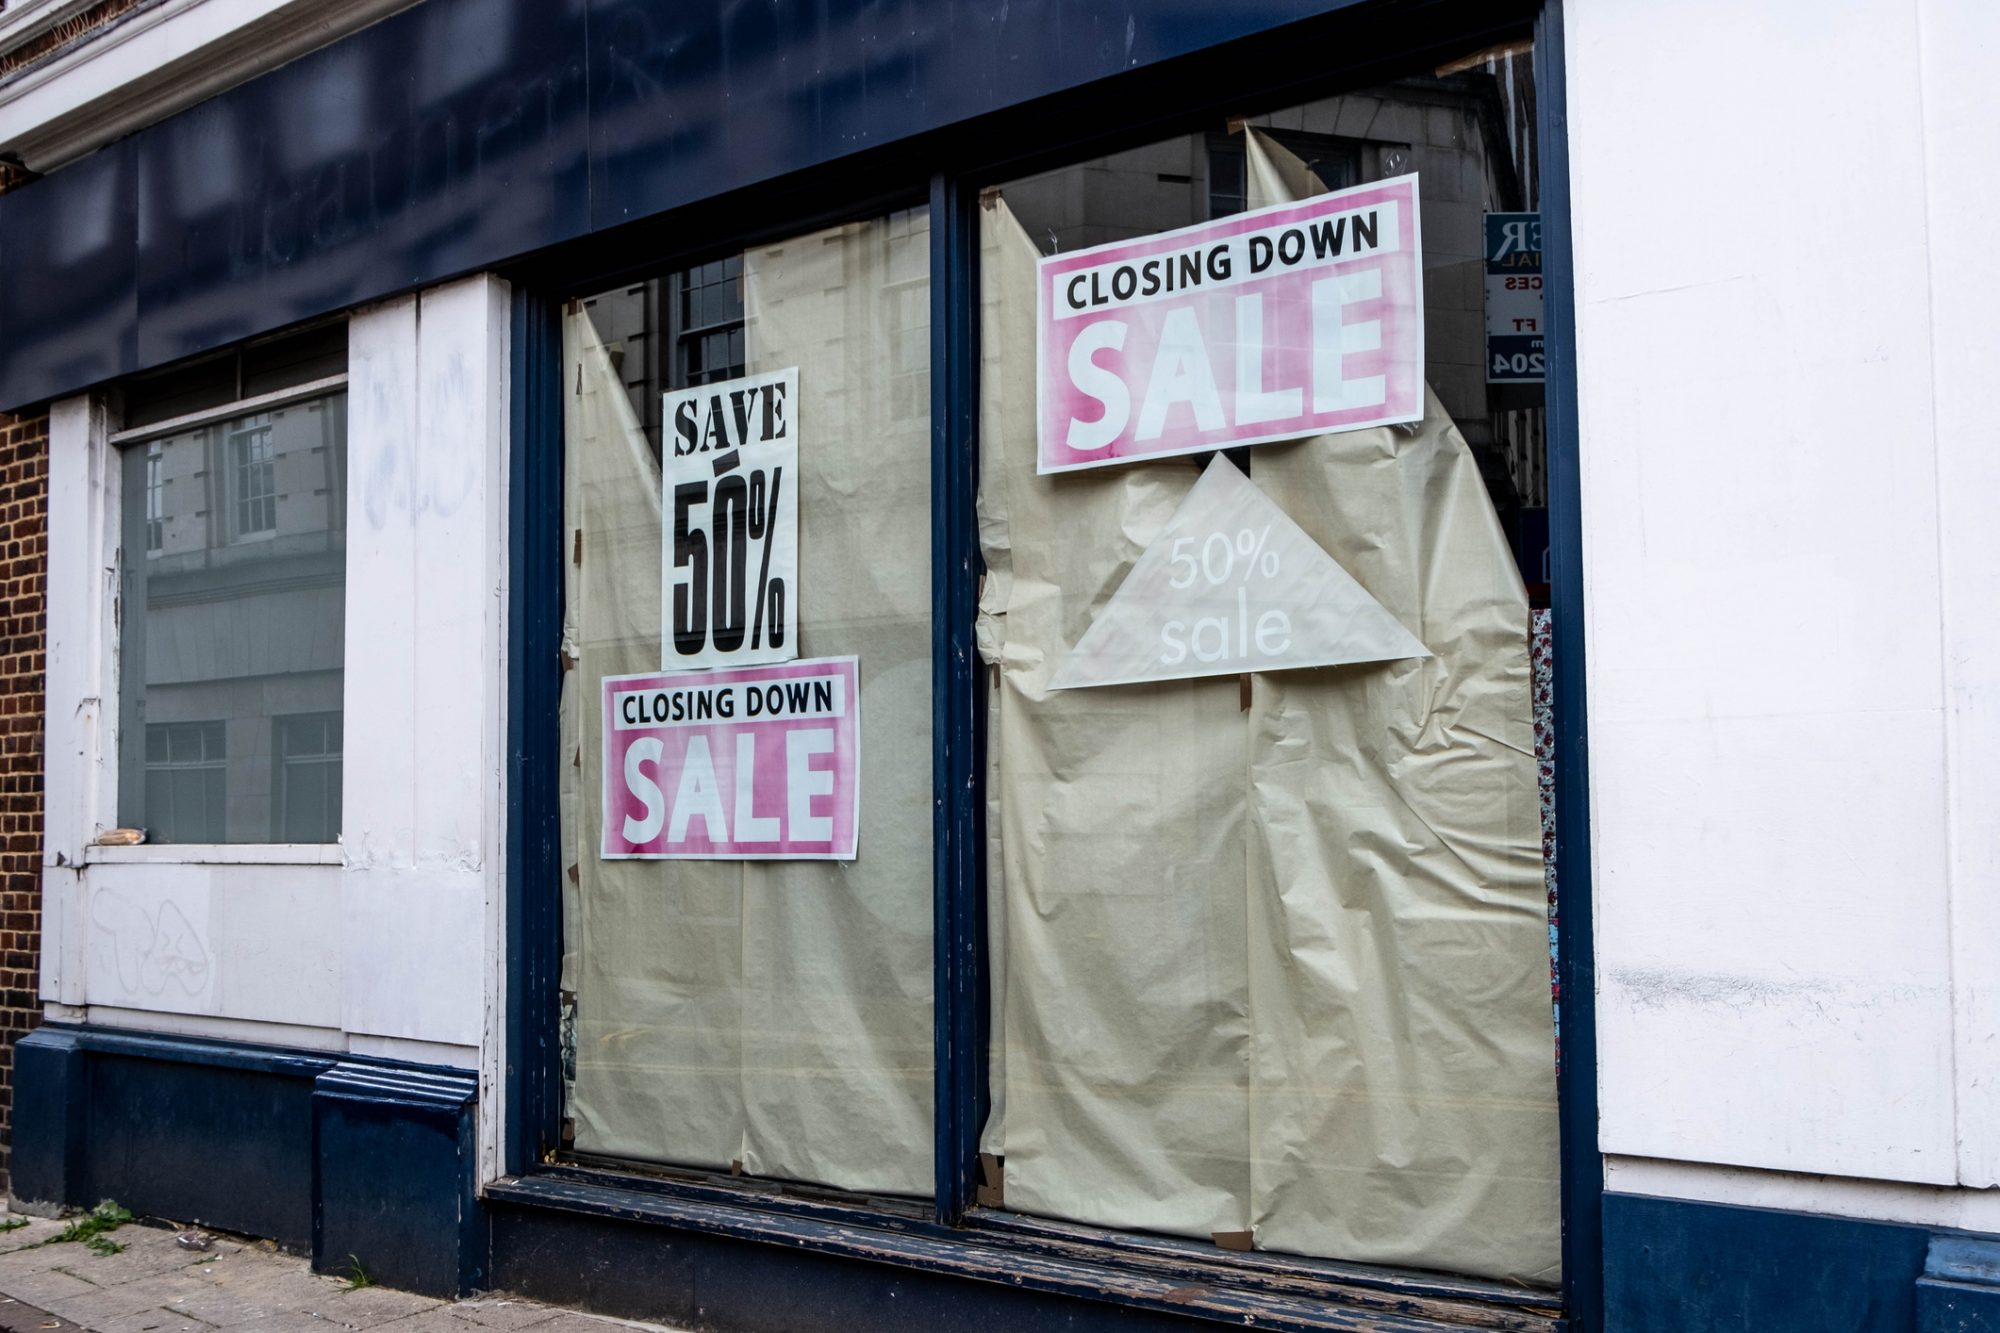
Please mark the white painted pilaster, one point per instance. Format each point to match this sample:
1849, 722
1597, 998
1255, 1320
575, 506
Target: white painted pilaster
424, 794
1761, 512
81, 699
1959, 41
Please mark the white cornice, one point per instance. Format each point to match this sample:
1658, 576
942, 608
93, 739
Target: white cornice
159, 60
23, 20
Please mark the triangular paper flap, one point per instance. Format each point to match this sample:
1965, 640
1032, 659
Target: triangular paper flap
1231, 585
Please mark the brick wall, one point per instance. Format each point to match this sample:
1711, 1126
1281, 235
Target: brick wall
24, 492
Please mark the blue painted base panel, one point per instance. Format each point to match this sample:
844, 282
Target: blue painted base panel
375, 1159
1960, 1289
395, 1165
1674, 1266
1957, 1307
327, 1155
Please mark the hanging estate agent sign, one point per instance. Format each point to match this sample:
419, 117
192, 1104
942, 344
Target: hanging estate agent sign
729, 482
743, 764
1515, 346
1293, 320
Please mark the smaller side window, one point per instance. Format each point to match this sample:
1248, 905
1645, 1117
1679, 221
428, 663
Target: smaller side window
231, 620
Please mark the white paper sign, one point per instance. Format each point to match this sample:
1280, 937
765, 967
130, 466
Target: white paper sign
729, 484
1230, 585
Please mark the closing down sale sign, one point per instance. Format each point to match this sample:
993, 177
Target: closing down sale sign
1293, 320
748, 763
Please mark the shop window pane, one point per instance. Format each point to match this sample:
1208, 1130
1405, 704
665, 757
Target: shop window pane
1268, 914
767, 1016
232, 627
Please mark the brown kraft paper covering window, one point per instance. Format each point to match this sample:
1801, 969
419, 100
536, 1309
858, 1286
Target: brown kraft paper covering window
1280, 970
769, 1018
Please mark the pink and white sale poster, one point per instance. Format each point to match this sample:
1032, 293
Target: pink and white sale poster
758, 763
1293, 320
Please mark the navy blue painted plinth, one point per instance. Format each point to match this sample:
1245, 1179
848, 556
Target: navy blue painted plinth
1960, 1289
393, 1186
333, 1156
1673, 1266
204, 1132
45, 1162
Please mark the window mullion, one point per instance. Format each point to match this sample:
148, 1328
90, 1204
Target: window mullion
957, 775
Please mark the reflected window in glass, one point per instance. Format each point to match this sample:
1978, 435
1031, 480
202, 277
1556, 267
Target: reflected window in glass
232, 626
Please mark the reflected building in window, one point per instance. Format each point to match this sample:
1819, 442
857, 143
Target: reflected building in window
233, 628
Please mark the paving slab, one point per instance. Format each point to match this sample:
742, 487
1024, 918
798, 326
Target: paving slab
501, 1313
151, 1321
443, 1320
111, 1302
16, 1317
233, 1285
48, 1288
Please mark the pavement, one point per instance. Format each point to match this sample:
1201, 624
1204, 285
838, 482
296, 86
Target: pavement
155, 1285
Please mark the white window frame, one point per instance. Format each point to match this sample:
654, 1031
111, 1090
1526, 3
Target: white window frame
86, 479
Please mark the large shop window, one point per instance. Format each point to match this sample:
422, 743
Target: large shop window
1269, 947
1261, 508
232, 586
747, 722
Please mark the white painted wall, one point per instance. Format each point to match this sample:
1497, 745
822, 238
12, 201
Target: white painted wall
385, 944
1787, 411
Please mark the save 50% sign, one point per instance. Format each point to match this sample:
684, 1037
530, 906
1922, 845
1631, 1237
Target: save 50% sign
729, 486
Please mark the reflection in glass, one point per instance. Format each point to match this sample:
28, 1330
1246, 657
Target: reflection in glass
185, 781
232, 628
252, 476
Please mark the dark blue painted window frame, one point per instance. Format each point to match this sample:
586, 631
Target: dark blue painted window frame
896, 178
1576, 1077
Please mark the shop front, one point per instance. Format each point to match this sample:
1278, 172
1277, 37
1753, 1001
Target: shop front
901, 667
